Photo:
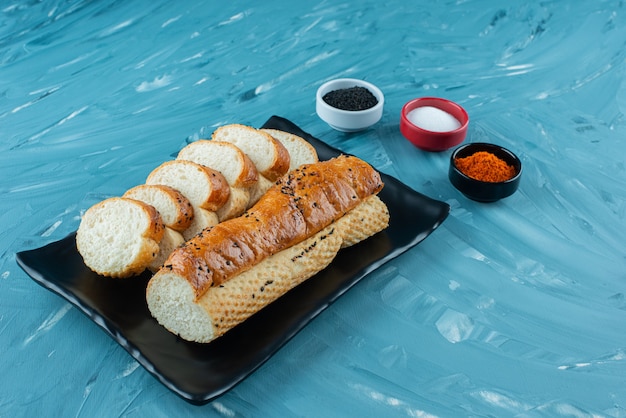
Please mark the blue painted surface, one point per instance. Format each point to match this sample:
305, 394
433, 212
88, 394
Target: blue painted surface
515, 308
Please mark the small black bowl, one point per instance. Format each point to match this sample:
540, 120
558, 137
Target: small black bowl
483, 191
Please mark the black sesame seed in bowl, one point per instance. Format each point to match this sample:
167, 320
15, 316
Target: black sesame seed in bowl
351, 98
349, 104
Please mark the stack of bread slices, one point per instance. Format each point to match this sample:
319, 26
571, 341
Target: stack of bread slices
210, 181
232, 224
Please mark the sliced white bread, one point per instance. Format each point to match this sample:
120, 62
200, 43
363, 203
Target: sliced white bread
202, 219
259, 190
202, 186
236, 205
224, 157
269, 156
119, 237
236, 167
171, 239
300, 150
175, 209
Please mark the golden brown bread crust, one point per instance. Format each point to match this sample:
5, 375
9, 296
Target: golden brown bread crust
300, 204
245, 294
221, 189
156, 227
282, 159
250, 175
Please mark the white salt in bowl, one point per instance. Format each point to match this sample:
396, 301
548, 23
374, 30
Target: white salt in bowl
348, 120
433, 124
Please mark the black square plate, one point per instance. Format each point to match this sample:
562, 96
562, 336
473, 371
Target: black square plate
200, 372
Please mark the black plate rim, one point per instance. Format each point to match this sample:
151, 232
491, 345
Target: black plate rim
26, 259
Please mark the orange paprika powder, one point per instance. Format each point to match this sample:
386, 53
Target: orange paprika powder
485, 166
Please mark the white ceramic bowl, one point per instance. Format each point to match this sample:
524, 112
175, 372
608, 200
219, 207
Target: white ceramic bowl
348, 120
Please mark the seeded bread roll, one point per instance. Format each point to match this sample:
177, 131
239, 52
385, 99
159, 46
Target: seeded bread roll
293, 232
119, 237
300, 204
203, 186
175, 209
172, 302
300, 150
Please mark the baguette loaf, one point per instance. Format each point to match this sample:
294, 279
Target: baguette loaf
298, 206
119, 237
172, 301
212, 282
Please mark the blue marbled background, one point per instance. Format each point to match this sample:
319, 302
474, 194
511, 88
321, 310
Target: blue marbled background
516, 308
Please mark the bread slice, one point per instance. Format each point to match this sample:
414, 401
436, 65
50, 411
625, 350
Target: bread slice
236, 205
300, 150
202, 186
224, 157
202, 219
175, 209
119, 237
171, 301
236, 167
259, 189
171, 239
269, 156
